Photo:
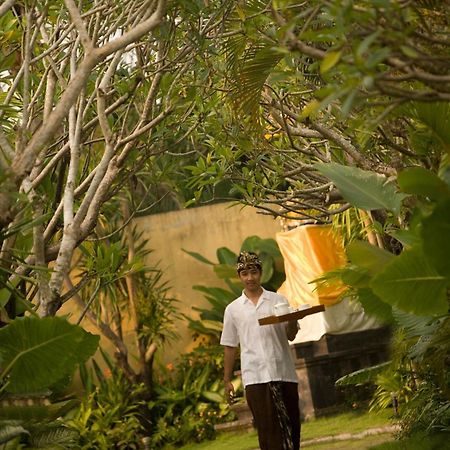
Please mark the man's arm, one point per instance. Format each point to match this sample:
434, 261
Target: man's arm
228, 365
292, 329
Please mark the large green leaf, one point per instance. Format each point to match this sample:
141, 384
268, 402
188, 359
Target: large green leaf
374, 307
408, 238
355, 276
436, 237
37, 352
270, 247
54, 436
363, 189
413, 325
38, 412
251, 244
221, 295
267, 269
411, 283
209, 315
225, 271
226, 256
436, 116
419, 181
372, 258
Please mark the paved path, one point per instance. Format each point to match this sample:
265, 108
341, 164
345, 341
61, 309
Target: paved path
350, 436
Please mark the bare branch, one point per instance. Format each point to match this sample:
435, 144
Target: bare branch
6, 6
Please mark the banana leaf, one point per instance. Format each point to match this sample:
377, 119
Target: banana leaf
38, 352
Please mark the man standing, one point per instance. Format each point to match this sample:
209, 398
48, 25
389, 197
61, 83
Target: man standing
267, 366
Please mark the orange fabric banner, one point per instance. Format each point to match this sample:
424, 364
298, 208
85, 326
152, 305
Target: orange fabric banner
309, 251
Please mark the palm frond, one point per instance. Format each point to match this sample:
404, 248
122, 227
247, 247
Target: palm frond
255, 66
10, 429
362, 376
53, 436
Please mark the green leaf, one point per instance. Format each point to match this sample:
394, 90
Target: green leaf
225, 271
436, 116
409, 51
373, 306
213, 396
212, 325
218, 293
368, 256
250, 75
251, 244
355, 276
38, 412
436, 237
348, 103
5, 295
410, 283
269, 246
198, 257
413, 325
408, 238
267, 269
310, 109
419, 181
363, 189
9, 429
226, 256
38, 352
366, 43
362, 376
329, 61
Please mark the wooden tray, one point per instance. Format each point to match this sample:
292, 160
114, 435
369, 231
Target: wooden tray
296, 315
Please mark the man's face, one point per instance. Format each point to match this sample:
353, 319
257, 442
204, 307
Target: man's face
251, 278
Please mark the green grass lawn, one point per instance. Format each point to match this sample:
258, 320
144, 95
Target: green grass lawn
349, 422
418, 442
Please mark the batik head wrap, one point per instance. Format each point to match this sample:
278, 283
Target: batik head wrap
248, 260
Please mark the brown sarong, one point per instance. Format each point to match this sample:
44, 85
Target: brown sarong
276, 414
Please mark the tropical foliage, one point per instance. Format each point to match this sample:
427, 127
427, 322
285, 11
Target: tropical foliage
186, 402
410, 290
120, 288
37, 360
111, 413
190, 399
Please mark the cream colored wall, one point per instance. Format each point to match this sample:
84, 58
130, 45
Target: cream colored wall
202, 230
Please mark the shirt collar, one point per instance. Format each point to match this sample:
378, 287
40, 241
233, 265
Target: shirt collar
263, 297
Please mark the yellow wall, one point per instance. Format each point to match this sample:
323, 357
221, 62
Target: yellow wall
202, 230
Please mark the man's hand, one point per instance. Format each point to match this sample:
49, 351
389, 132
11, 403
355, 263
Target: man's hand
292, 328
228, 363
229, 392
